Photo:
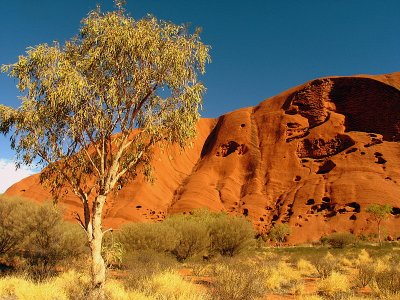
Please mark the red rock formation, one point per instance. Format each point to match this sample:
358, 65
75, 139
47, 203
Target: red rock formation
315, 157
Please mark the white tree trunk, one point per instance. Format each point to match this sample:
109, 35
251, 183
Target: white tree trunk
98, 268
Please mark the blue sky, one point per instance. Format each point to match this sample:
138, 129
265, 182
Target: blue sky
259, 48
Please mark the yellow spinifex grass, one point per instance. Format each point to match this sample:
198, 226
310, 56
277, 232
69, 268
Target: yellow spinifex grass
334, 284
69, 285
171, 286
25, 289
283, 276
305, 267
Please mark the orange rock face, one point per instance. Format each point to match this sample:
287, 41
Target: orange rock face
313, 157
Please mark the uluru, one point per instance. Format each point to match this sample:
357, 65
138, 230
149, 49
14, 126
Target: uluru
313, 157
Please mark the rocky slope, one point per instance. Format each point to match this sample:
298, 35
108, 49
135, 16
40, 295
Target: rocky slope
314, 157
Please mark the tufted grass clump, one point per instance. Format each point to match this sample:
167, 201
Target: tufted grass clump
170, 285
334, 286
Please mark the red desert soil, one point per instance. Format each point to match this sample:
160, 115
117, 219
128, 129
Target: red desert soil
314, 156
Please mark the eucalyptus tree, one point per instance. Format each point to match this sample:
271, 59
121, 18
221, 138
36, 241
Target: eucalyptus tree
379, 213
93, 109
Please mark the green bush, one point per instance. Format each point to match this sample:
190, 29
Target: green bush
279, 233
39, 234
339, 239
147, 236
192, 236
230, 235
51, 240
14, 213
187, 235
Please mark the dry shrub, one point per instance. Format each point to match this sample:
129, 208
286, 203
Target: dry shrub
144, 264
365, 268
326, 265
305, 267
387, 282
335, 286
237, 282
282, 278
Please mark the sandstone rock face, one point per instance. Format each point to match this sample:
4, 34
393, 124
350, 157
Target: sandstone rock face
313, 157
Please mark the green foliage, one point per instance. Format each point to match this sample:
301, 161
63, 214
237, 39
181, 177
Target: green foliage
189, 235
147, 236
14, 213
51, 240
138, 77
339, 239
118, 73
230, 235
39, 234
192, 236
279, 233
112, 252
379, 213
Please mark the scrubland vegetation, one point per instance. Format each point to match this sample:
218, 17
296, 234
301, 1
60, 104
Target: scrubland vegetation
202, 255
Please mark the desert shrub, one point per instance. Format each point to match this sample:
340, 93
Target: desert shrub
282, 278
279, 232
365, 268
365, 274
14, 213
325, 265
147, 236
230, 235
192, 236
141, 265
334, 286
112, 252
170, 285
305, 267
339, 239
237, 282
388, 281
51, 240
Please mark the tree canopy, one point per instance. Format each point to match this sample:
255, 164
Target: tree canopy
118, 74
92, 109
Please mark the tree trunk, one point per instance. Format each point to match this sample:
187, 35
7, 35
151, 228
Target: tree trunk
379, 233
98, 268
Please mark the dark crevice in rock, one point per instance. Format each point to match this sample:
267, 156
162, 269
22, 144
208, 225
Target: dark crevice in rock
326, 167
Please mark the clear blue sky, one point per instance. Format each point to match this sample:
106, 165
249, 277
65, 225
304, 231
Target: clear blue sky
259, 48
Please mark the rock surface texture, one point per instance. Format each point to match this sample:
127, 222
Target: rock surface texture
313, 157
